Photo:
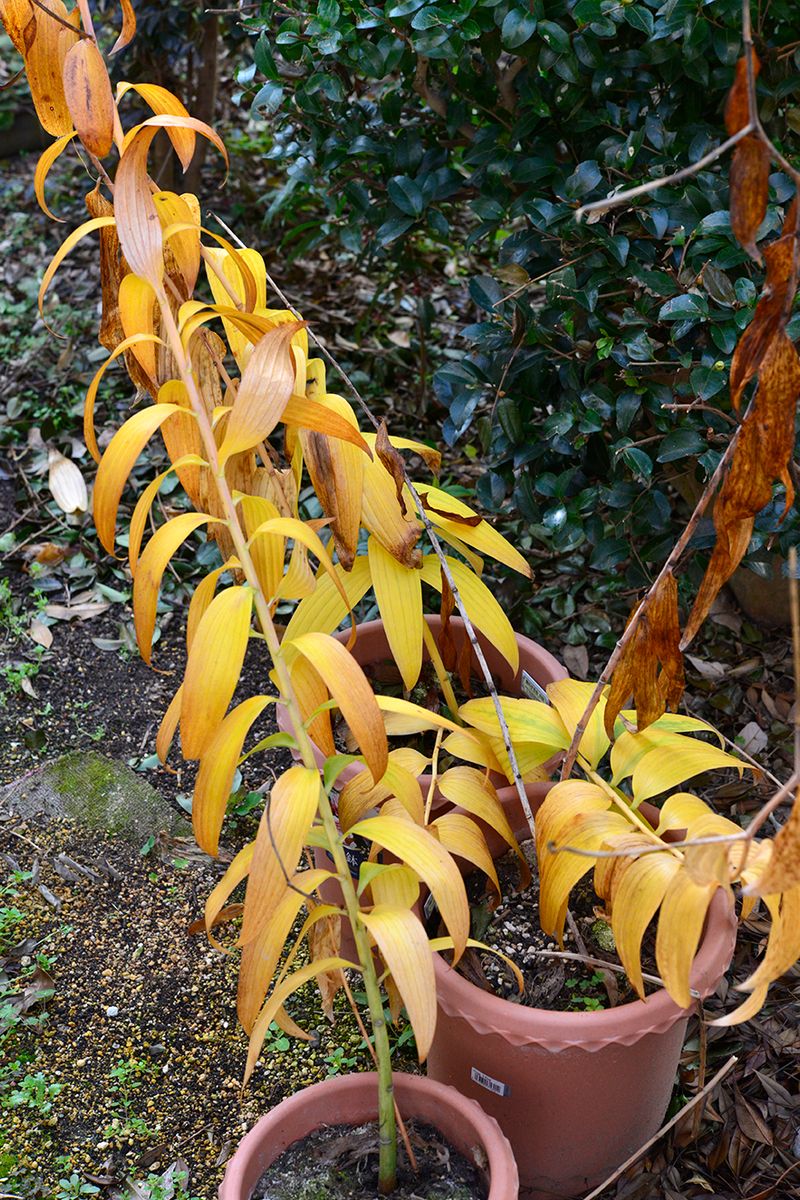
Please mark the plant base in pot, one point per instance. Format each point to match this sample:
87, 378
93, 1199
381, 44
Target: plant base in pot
352, 1100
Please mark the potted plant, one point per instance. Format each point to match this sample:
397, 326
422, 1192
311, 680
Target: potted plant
217, 405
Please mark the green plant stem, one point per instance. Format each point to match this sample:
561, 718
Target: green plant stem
387, 1126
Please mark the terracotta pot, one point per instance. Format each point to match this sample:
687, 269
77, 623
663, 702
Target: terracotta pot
575, 1092
351, 1099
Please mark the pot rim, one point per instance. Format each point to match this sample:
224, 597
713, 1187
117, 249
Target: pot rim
470, 1124
623, 1025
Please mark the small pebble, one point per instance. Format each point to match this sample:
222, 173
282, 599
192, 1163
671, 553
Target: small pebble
112, 1011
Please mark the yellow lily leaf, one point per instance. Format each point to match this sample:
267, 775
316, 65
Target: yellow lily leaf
403, 717
381, 514
482, 608
683, 913
63, 250
46, 160
312, 694
782, 872
218, 897
662, 768
145, 502
783, 945
470, 790
181, 237
558, 873
162, 101
44, 63
634, 901
264, 390
275, 1003
169, 723
325, 610
569, 697
217, 769
473, 747
117, 463
398, 591
393, 884
266, 550
128, 31
88, 408
528, 721
404, 948
213, 667
291, 527
150, 568
460, 835
336, 469
481, 537
422, 852
261, 956
282, 831
202, 597
349, 687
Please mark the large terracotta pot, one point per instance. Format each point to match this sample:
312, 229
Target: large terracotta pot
351, 1100
575, 1093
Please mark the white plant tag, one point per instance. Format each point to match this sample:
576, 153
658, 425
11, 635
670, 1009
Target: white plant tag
531, 689
491, 1085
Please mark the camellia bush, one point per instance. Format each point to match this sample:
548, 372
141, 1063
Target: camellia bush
595, 365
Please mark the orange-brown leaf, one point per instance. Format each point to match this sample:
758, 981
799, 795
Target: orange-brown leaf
44, 62
772, 311
782, 872
762, 455
87, 89
749, 189
264, 392
392, 462
128, 30
651, 667
737, 107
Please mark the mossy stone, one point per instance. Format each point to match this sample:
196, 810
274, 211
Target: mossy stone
97, 793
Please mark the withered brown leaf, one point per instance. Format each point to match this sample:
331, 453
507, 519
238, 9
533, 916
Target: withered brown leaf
445, 640
325, 942
761, 456
783, 869
651, 667
737, 105
749, 188
772, 311
392, 462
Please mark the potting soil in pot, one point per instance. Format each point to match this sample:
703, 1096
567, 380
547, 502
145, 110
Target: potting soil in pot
551, 982
340, 1162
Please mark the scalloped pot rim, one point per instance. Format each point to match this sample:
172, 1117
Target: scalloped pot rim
624, 1025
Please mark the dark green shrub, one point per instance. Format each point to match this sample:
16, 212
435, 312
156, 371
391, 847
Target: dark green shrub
484, 125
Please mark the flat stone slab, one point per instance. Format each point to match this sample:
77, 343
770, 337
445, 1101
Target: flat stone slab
97, 793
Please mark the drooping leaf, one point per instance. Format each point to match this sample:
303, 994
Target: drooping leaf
150, 569
348, 685
398, 591
46, 160
263, 392
117, 463
217, 768
404, 948
662, 768
282, 831
213, 668
749, 184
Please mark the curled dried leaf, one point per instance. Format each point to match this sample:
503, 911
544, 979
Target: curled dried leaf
749, 184
651, 667
392, 461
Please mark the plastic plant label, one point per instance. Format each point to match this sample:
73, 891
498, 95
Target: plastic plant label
491, 1085
531, 689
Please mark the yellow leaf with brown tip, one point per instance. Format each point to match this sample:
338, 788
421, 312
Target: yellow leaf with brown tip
264, 390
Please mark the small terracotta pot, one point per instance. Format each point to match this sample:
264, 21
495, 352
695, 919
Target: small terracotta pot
575, 1092
352, 1100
